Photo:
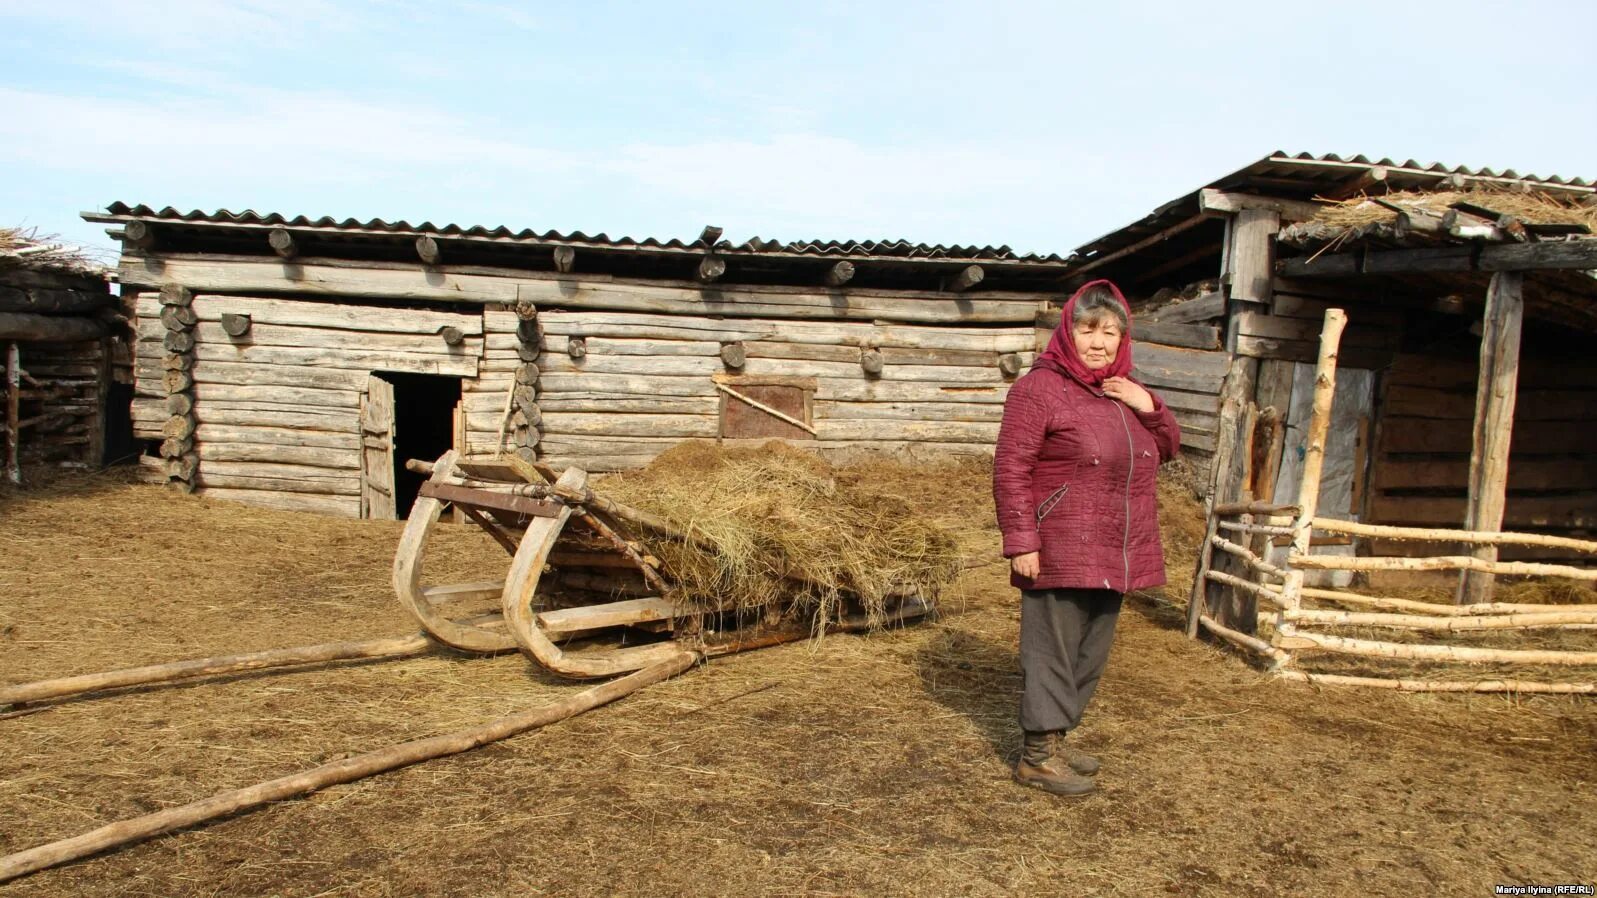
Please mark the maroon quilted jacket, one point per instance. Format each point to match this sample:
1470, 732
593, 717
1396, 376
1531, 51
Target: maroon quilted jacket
1074, 477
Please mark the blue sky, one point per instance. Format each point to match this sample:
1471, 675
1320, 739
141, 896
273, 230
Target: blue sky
1039, 125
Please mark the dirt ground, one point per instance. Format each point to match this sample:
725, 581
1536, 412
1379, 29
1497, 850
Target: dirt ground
857, 766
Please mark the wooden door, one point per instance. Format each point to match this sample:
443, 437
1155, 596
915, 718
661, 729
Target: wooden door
1343, 474
377, 450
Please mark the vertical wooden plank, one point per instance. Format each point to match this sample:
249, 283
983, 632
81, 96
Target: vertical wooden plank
1494, 423
1313, 461
1225, 485
1252, 263
377, 449
95, 452
13, 397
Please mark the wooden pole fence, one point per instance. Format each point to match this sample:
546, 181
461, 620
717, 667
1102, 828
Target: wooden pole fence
1247, 555
1345, 645
1273, 597
1457, 623
1412, 685
1394, 604
1425, 534
1438, 563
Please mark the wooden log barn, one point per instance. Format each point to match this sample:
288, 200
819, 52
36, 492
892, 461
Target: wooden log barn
1465, 389
66, 362
298, 363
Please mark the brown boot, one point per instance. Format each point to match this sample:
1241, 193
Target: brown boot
1075, 758
1052, 776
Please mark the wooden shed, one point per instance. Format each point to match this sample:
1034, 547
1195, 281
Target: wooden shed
298, 363
1434, 424
66, 361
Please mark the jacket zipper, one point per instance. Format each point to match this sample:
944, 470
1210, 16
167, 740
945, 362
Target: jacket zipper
1131, 469
1047, 505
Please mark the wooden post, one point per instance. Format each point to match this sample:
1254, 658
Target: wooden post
1230, 608
1494, 423
1250, 267
839, 274
1313, 464
13, 396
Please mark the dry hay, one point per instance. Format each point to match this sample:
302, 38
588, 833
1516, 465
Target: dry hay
776, 526
25, 248
1532, 208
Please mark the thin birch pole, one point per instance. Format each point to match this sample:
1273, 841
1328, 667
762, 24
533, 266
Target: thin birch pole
1313, 464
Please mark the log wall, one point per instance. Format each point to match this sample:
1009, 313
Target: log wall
641, 383
1421, 471
276, 411
258, 397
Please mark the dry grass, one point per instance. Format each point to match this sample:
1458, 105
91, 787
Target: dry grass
776, 525
25, 248
1533, 208
854, 766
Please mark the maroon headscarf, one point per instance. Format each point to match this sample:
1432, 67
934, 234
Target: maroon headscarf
1061, 353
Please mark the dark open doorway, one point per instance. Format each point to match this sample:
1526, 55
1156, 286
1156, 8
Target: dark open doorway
424, 427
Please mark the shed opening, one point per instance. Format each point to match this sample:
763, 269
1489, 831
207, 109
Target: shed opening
416, 419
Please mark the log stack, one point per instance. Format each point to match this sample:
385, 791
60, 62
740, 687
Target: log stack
178, 318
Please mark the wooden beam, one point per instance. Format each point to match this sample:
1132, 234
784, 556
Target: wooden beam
1575, 255
968, 277
1250, 268
13, 415
1219, 201
282, 242
428, 249
1205, 307
1179, 227
1363, 182
1192, 336
464, 286
565, 259
48, 328
1572, 255
1494, 424
839, 274
710, 269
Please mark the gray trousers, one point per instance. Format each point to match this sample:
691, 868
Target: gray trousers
1065, 636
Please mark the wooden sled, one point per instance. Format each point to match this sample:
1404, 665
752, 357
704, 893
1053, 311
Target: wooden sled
600, 590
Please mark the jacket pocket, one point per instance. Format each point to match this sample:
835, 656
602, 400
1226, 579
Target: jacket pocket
1047, 505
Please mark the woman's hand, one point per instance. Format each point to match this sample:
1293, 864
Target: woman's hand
1026, 565
1129, 392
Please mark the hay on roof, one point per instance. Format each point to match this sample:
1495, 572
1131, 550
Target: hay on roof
1531, 208
25, 248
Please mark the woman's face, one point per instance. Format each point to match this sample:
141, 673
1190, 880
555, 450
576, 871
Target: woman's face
1097, 341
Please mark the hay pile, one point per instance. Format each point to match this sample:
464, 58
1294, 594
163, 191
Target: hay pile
24, 248
779, 526
1532, 208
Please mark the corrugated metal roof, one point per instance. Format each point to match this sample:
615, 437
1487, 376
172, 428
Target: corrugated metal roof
877, 249
1306, 176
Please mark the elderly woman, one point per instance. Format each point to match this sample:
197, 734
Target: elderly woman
1074, 480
